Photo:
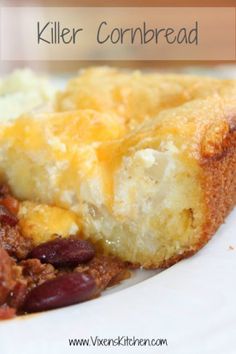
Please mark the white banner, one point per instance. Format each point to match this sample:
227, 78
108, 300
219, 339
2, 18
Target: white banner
53, 33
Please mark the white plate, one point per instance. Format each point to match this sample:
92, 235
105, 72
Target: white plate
192, 305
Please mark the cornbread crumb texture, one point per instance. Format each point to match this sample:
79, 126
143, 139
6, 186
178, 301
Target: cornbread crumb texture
138, 196
42, 223
23, 91
130, 161
134, 95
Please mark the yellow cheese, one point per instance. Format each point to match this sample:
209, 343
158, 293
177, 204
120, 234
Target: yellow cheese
42, 223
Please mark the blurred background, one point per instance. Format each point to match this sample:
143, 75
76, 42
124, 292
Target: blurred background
55, 67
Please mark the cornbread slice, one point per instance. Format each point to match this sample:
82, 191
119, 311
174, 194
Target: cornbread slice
150, 190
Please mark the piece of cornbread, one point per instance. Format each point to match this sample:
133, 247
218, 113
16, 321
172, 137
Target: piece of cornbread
147, 162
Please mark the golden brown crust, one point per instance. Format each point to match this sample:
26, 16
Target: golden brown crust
219, 186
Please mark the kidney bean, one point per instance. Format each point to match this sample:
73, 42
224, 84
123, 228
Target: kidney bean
17, 295
104, 269
62, 291
64, 252
6, 217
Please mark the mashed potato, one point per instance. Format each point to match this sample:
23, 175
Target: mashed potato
23, 91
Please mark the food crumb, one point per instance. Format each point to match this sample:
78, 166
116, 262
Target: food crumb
231, 248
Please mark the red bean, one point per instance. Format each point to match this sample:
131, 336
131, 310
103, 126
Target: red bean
64, 252
6, 217
62, 291
17, 295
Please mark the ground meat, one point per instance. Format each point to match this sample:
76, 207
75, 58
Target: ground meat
4, 190
13, 287
7, 200
7, 279
10, 237
13, 242
105, 269
36, 273
10, 204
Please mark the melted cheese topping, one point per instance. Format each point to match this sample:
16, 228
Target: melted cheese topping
42, 222
135, 96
